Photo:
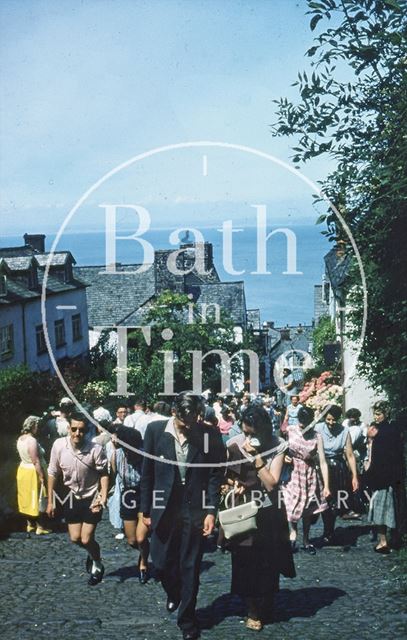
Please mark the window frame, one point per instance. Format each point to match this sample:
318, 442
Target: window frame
40, 340
76, 321
7, 341
60, 340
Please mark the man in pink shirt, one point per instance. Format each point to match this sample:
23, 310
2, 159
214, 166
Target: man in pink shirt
83, 467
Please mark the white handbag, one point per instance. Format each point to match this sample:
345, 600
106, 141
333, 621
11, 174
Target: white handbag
238, 520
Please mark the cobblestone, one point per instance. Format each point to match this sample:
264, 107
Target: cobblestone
345, 593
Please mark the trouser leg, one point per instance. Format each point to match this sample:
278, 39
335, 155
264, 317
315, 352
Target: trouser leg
190, 561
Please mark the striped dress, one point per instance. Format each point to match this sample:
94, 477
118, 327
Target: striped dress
303, 493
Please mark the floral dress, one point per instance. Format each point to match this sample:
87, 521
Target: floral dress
303, 493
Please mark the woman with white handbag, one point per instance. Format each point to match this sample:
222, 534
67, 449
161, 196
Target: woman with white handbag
257, 535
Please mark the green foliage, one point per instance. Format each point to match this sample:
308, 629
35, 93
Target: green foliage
95, 393
187, 331
361, 124
174, 313
324, 333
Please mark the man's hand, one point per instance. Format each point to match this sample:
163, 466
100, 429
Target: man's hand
208, 525
50, 510
147, 522
355, 484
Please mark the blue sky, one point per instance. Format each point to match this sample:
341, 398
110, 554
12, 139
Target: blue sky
88, 85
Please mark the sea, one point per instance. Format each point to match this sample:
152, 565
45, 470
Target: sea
284, 298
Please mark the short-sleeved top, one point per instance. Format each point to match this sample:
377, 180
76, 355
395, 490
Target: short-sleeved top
22, 448
292, 413
81, 468
334, 440
129, 474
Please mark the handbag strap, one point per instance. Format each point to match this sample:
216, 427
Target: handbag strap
232, 493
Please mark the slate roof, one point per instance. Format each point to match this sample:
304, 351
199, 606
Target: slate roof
125, 298
112, 297
58, 259
19, 259
230, 296
20, 263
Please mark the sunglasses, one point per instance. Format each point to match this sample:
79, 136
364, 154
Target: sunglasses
75, 429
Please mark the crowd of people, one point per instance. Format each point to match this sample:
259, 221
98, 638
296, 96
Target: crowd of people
166, 471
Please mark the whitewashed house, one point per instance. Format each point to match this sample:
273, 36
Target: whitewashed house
22, 338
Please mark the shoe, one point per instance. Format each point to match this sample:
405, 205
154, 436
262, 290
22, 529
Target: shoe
310, 549
143, 576
254, 625
40, 531
30, 528
88, 565
384, 550
96, 577
172, 604
192, 634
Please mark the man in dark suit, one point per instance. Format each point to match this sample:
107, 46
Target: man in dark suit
182, 474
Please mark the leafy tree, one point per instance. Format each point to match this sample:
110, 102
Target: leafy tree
360, 122
323, 334
188, 331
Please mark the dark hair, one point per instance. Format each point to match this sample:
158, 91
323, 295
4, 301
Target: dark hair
162, 407
353, 413
121, 406
305, 416
78, 417
141, 403
334, 411
108, 426
258, 418
381, 406
132, 438
187, 403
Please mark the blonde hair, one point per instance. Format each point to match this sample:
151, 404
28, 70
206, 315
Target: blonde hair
29, 424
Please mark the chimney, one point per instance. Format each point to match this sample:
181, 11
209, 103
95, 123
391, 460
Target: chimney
36, 241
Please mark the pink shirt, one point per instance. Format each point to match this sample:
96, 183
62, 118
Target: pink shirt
81, 468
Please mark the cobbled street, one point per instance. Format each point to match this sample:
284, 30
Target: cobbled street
344, 592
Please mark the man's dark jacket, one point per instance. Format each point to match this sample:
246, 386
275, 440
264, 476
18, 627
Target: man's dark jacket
202, 483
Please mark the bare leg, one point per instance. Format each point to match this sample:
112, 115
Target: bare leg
130, 527
143, 542
88, 541
382, 538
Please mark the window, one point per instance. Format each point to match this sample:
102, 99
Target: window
40, 338
60, 333
3, 285
6, 342
32, 279
76, 327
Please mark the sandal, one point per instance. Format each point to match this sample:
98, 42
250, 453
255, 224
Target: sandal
255, 625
